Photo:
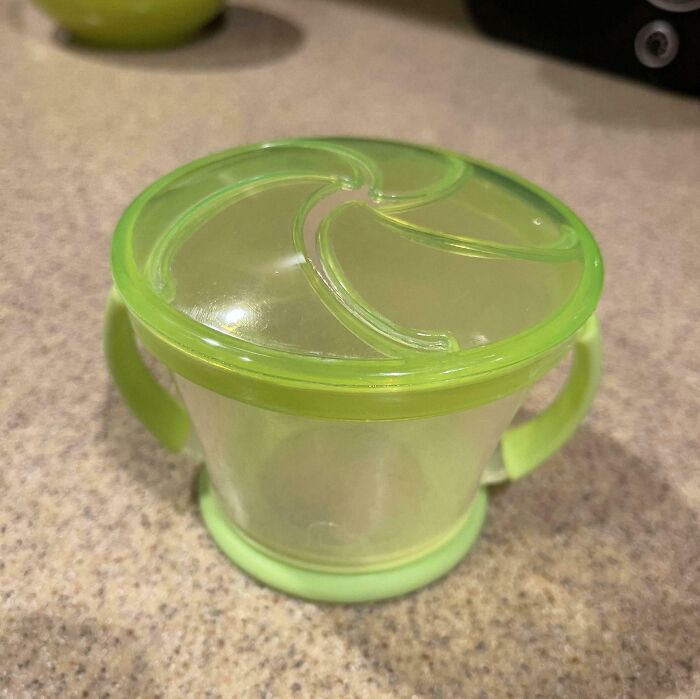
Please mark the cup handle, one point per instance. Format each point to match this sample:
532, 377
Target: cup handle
526, 446
160, 413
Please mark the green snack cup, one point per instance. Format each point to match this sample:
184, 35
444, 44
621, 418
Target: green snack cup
351, 325
132, 23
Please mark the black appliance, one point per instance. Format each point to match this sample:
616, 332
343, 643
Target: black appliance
657, 41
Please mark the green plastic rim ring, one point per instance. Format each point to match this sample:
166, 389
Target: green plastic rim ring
339, 587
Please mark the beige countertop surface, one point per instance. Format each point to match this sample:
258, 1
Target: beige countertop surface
586, 580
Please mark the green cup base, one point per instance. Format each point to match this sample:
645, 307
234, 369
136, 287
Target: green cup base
339, 587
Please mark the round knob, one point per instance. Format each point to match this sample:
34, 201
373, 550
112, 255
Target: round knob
676, 5
656, 44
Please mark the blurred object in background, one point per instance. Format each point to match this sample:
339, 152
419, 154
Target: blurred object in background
657, 41
132, 23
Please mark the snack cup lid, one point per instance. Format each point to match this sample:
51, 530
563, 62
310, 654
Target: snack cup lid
354, 278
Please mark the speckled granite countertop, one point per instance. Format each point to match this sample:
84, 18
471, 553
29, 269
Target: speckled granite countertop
585, 582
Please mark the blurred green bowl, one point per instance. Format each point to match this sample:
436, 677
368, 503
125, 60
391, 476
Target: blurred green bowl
132, 23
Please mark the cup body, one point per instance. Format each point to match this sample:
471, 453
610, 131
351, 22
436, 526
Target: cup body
339, 494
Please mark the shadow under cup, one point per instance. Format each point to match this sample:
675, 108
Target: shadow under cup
339, 495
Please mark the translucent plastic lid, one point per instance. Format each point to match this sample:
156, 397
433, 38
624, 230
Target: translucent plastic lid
359, 250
